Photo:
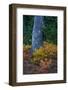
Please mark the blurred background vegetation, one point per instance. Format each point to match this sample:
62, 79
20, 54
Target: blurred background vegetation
49, 29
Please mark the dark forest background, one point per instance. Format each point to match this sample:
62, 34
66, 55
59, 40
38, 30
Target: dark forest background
49, 29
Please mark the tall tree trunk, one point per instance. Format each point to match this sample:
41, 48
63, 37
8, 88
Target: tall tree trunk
37, 37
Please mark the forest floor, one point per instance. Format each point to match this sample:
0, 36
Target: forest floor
42, 60
30, 68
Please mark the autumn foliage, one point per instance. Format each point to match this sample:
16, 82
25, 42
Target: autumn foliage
44, 56
48, 50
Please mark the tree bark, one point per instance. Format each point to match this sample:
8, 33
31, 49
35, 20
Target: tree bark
37, 36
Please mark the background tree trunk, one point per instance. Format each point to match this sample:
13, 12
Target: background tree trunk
37, 36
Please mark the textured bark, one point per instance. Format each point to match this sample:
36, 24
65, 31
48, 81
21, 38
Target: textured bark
37, 36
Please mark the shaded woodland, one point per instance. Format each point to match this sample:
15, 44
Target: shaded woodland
39, 44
